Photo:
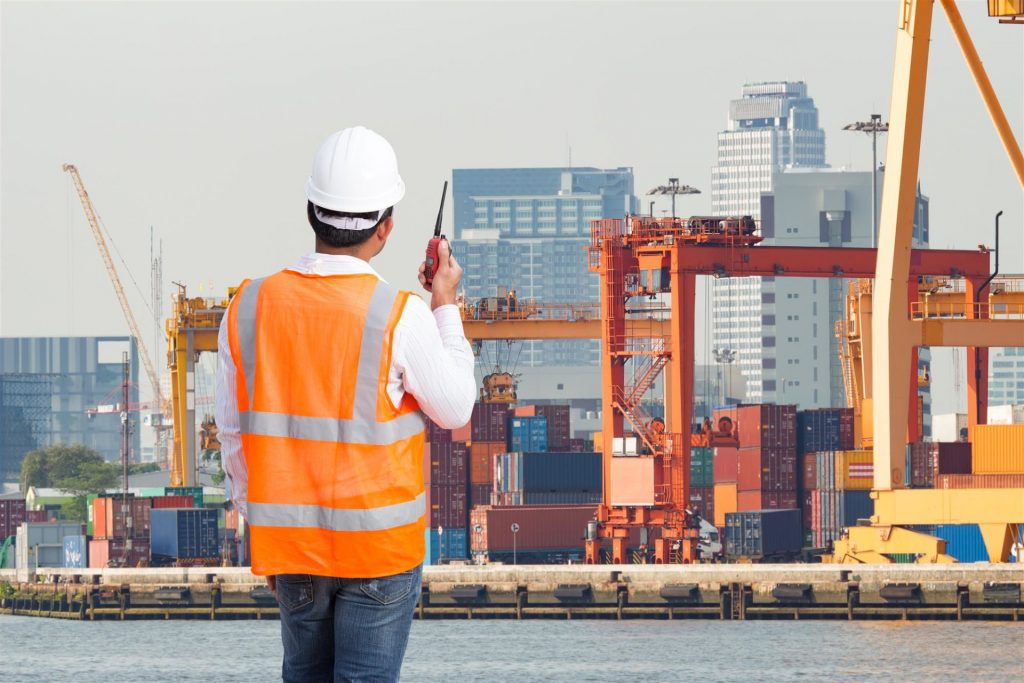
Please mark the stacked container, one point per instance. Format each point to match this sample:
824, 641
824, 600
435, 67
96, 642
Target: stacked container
12, 514
489, 422
998, 449
184, 536
926, 461
762, 534
702, 482
448, 468
547, 478
109, 545
826, 429
528, 434
836, 492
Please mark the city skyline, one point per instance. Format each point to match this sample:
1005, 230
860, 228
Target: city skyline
212, 144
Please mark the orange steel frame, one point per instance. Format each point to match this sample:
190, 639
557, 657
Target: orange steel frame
631, 268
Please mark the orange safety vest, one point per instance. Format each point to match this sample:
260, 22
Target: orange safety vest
335, 468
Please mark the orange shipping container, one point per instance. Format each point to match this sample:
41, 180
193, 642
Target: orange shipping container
463, 433
481, 460
598, 442
998, 449
855, 470
526, 411
979, 481
634, 481
725, 501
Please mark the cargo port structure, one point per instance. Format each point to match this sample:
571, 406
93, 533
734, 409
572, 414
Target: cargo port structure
897, 332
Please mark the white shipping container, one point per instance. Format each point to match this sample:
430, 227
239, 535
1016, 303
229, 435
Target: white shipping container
947, 427
1006, 415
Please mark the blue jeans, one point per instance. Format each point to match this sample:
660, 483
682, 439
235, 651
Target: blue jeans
346, 630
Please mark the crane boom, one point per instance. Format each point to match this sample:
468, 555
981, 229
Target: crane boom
115, 279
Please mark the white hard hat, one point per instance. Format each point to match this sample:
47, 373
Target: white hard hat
355, 170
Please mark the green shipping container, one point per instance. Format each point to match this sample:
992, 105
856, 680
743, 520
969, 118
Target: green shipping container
88, 513
702, 471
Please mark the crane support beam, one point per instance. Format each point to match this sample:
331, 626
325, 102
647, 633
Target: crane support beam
949, 506
968, 333
480, 330
849, 262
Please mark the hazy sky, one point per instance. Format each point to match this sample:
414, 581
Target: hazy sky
201, 119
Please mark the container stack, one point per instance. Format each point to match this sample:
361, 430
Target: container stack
702, 482
547, 478
111, 528
446, 478
558, 425
762, 535
528, 434
926, 461
836, 493
12, 514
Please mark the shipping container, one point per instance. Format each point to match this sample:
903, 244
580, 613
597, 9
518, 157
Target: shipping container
539, 528
437, 434
184, 534
951, 427
762, 424
447, 543
980, 481
559, 497
480, 494
855, 470
856, 505
172, 502
12, 514
763, 534
963, 541
766, 468
726, 464
41, 544
1005, 415
463, 433
702, 501
110, 518
548, 472
195, 491
559, 427
765, 500
528, 434
489, 422
998, 449
581, 446
725, 501
809, 471
448, 506
449, 463
76, 552
481, 460
106, 552
37, 516
931, 459
702, 466
825, 429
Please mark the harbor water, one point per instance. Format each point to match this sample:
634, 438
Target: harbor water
512, 651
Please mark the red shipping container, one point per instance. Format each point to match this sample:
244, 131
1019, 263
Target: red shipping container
558, 426
765, 500
463, 433
489, 422
448, 463
980, 481
481, 460
930, 459
806, 500
173, 502
580, 446
541, 527
35, 516
437, 434
766, 425
480, 494
12, 514
702, 501
525, 411
808, 471
108, 518
726, 463
102, 550
766, 468
448, 507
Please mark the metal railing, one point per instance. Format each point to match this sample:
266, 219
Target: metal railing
930, 310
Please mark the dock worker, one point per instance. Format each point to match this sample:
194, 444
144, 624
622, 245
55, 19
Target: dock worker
325, 374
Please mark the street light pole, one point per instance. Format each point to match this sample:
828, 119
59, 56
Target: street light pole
673, 188
874, 126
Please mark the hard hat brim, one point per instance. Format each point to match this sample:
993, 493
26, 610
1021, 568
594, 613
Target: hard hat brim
355, 204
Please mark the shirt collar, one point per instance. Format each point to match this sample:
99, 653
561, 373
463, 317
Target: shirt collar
316, 263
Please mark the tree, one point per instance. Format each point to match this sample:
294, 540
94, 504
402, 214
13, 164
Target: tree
49, 467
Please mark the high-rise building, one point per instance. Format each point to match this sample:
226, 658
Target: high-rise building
527, 229
540, 202
1006, 376
771, 165
55, 381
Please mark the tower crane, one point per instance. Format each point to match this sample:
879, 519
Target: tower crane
115, 280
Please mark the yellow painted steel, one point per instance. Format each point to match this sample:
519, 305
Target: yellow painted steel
874, 545
1005, 8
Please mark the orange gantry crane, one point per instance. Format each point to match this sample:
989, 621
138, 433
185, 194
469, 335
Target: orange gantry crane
644, 260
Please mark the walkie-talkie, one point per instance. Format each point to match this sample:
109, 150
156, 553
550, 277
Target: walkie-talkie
431, 261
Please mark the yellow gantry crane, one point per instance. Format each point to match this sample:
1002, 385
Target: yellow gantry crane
895, 334
115, 280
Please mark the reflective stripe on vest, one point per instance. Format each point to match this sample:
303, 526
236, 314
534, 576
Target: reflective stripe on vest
337, 519
363, 428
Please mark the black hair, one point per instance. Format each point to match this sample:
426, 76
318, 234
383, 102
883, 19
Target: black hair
337, 238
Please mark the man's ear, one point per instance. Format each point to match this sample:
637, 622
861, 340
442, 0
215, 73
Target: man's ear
384, 229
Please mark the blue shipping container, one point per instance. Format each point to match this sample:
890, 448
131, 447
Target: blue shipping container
181, 533
452, 543
76, 552
856, 505
560, 472
963, 541
528, 434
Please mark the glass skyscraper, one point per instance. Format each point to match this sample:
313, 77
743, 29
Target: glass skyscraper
527, 229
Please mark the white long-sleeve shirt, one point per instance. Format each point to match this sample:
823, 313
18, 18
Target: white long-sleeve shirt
430, 358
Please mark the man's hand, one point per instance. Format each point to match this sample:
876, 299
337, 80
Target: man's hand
272, 584
445, 284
